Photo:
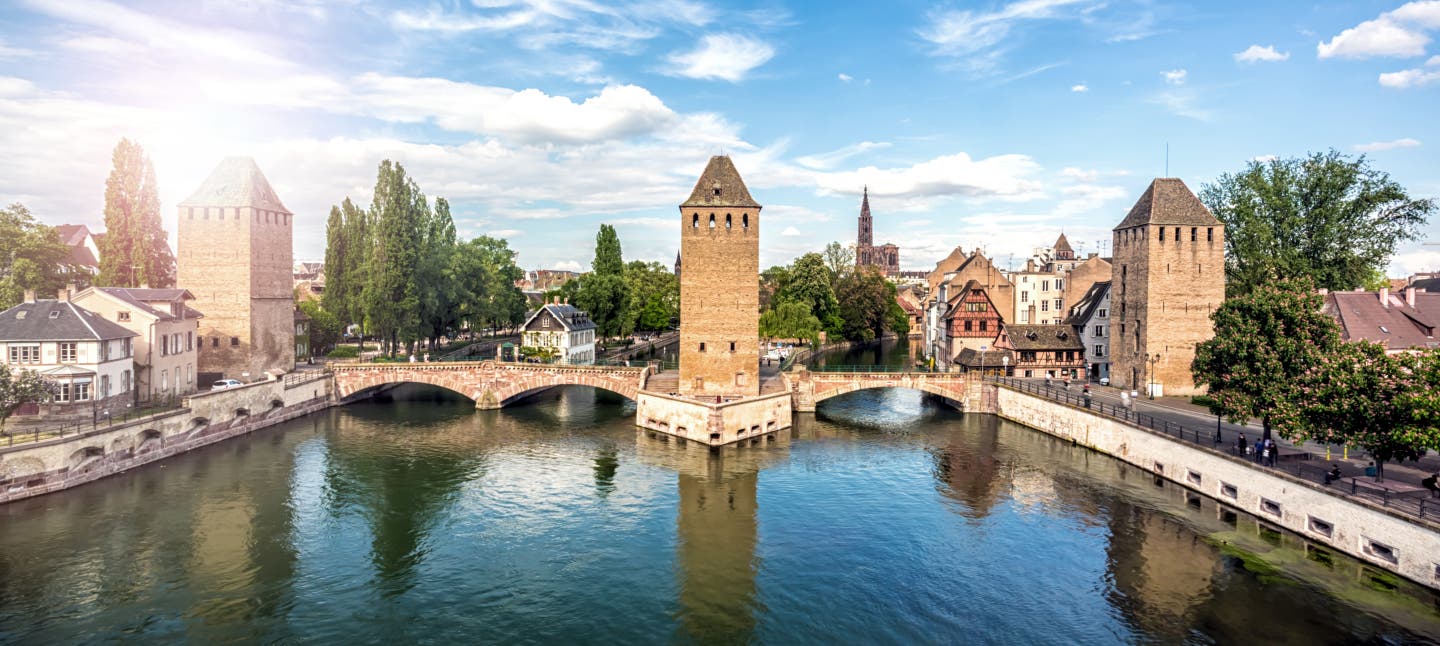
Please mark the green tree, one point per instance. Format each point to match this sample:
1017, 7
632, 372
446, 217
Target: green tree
398, 217
654, 295
840, 259
772, 283
865, 304
325, 328
603, 293
440, 291
809, 283
790, 320
17, 388
485, 272
135, 250
32, 258
1387, 405
1326, 218
1265, 342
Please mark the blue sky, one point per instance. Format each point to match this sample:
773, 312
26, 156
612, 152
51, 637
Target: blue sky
991, 124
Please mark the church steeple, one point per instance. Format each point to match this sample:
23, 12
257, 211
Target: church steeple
866, 228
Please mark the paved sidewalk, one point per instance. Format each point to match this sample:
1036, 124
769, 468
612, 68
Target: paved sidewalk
1181, 411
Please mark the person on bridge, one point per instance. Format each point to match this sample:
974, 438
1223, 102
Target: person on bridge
1333, 474
1430, 483
1240, 446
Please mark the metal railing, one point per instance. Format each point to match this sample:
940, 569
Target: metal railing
98, 420
875, 369
1205, 437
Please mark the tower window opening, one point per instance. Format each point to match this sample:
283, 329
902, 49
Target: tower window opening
1177, 234
732, 346
745, 220
702, 346
1210, 234
727, 220
712, 220
695, 221
1162, 234
717, 191
1192, 233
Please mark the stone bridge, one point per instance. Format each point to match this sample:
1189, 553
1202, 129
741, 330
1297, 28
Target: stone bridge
810, 387
491, 384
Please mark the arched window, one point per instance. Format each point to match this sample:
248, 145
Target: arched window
695, 221
712, 220
745, 220
727, 220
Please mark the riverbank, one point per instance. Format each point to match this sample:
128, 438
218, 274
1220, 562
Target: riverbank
50, 465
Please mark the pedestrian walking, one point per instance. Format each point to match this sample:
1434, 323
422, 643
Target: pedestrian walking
1274, 453
1333, 474
1431, 484
1240, 446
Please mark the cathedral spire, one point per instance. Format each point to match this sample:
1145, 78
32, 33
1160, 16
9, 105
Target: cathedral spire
866, 234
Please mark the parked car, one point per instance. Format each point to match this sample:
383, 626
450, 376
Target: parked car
1104, 381
226, 383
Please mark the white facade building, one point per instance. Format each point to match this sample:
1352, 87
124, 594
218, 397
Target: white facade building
562, 331
88, 359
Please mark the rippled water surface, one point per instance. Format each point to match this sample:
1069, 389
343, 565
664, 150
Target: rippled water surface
883, 519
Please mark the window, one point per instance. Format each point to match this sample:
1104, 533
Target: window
1162, 234
125, 381
234, 341
1099, 331
1057, 305
1044, 306
702, 346
745, 221
1193, 231
727, 221
214, 341
967, 325
1102, 313
982, 326
164, 345
732, 346
68, 352
1045, 286
81, 392
122, 316
1099, 351
544, 321
104, 386
126, 347
694, 220
189, 341
1024, 297
164, 380
1210, 234
712, 220
1177, 234
25, 353
1059, 284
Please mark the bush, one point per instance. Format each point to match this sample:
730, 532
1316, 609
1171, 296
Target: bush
344, 352
1202, 400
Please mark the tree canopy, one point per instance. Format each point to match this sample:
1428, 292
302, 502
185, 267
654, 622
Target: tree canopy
1327, 218
604, 293
19, 387
33, 258
135, 250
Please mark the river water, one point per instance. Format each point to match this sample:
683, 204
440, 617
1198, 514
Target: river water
884, 518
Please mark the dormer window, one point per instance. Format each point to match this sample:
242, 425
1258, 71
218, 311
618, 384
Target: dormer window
54, 314
717, 191
1384, 329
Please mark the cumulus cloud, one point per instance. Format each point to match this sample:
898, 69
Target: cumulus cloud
846, 78
1007, 177
568, 265
728, 57
1264, 159
1256, 54
790, 231
1175, 77
1413, 77
1398, 33
1381, 146
1080, 87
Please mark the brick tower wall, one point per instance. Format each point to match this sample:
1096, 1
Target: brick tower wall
1168, 290
720, 302
238, 266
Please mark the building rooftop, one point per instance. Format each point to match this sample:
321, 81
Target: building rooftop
1168, 201
1043, 337
1085, 308
1405, 320
720, 185
237, 181
51, 320
573, 318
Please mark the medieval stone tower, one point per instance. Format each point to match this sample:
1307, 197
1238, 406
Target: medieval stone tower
234, 244
1168, 276
720, 289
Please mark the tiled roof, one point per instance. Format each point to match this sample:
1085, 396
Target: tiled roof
1044, 337
1062, 244
720, 185
993, 358
141, 299
1168, 201
237, 181
1086, 306
49, 320
573, 318
72, 234
1399, 327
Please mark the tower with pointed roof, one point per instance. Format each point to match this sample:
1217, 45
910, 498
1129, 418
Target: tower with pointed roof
1168, 276
235, 256
886, 257
867, 234
720, 288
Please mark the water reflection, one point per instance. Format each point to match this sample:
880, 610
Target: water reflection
884, 518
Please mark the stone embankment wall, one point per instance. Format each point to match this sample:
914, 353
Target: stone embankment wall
1401, 544
37, 468
711, 423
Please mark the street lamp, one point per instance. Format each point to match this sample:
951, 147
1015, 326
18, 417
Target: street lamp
1005, 365
1152, 374
983, 348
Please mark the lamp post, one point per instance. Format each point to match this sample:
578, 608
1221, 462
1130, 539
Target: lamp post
983, 348
1153, 359
1005, 365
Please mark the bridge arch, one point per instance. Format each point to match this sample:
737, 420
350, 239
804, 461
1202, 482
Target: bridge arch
489, 384
845, 389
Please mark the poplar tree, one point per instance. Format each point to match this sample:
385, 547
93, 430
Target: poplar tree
438, 298
603, 293
135, 250
392, 296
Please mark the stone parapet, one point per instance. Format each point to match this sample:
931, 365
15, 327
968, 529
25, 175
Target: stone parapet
490, 384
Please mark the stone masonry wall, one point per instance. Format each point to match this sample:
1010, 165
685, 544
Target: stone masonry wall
1406, 546
720, 302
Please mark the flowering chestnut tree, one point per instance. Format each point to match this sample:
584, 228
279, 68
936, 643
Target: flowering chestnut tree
1265, 342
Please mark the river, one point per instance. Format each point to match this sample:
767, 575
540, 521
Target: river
884, 518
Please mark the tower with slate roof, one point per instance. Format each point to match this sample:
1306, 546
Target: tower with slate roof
1167, 278
720, 287
235, 256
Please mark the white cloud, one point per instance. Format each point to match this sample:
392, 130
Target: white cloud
727, 57
976, 38
505, 233
790, 231
1264, 159
1398, 33
828, 160
1006, 177
161, 35
545, 24
1256, 54
846, 77
1381, 146
13, 52
568, 265
1175, 77
1080, 87
1413, 77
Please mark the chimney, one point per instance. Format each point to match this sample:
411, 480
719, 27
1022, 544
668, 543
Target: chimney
1385, 297
29, 296
1410, 296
